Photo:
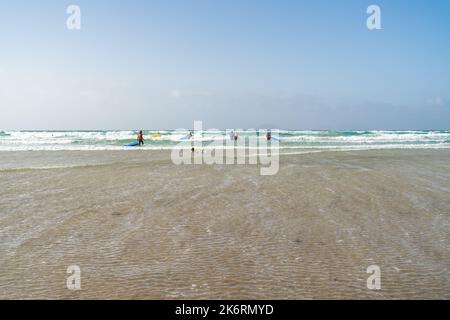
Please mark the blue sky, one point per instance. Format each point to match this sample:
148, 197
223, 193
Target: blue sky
164, 64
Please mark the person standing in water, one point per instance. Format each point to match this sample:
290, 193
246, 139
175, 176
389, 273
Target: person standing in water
140, 138
268, 137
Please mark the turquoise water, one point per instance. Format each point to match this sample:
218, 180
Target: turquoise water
167, 139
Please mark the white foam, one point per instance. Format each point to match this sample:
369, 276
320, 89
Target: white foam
114, 140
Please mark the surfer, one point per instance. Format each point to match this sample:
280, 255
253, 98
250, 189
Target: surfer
140, 138
235, 136
268, 137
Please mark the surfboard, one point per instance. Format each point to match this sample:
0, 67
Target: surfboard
184, 137
157, 135
275, 138
132, 144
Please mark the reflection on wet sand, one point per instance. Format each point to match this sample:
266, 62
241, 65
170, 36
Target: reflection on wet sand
140, 227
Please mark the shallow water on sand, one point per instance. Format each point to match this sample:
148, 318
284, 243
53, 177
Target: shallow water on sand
140, 227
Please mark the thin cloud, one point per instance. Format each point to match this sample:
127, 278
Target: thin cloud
437, 101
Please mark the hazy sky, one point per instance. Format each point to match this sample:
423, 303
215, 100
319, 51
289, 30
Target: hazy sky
248, 63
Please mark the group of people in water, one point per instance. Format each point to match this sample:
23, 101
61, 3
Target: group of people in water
233, 136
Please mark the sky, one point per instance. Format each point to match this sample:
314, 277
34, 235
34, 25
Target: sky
232, 64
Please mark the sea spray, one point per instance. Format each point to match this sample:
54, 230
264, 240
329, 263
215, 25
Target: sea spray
168, 139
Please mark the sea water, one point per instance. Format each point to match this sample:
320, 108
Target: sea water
168, 139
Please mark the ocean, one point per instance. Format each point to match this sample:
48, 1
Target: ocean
167, 139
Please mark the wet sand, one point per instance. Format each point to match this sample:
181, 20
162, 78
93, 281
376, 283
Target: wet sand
140, 227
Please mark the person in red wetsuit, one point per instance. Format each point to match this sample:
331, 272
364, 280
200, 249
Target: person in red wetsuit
140, 138
268, 137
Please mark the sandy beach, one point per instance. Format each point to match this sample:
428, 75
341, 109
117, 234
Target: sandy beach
140, 227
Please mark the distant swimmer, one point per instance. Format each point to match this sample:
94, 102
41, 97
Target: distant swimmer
190, 135
140, 138
268, 136
235, 136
